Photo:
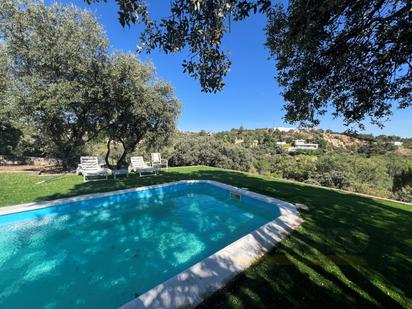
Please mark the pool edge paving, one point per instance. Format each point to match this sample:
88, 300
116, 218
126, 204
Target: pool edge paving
191, 286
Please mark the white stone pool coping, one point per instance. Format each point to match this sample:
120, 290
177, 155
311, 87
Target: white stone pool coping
190, 287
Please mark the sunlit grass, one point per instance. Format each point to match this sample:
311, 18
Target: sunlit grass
351, 251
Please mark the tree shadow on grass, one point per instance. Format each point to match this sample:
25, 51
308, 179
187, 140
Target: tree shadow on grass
351, 251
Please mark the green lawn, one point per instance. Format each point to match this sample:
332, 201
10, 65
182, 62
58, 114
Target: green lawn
351, 251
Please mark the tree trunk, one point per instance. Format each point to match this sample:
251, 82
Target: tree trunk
106, 158
123, 156
68, 158
121, 162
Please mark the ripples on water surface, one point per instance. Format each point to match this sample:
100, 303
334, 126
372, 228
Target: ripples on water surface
105, 252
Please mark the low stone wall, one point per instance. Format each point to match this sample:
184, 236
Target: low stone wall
36, 161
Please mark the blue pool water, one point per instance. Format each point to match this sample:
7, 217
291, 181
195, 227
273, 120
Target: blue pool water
106, 251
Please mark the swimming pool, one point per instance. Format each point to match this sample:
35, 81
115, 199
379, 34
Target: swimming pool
105, 250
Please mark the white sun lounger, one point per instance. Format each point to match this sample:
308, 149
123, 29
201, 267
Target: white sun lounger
90, 167
85, 160
138, 165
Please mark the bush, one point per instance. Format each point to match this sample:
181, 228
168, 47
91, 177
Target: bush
298, 167
402, 184
408, 144
376, 148
205, 150
334, 179
263, 166
332, 171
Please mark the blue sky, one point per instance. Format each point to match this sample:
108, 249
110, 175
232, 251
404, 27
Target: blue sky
251, 97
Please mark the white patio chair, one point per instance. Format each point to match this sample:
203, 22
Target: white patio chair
90, 167
138, 165
158, 161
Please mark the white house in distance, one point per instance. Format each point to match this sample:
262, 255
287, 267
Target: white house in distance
300, 144
283, 129
280, 143
397, 143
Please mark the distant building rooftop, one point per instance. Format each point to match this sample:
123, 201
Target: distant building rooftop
283, 129
186, 132
300, 144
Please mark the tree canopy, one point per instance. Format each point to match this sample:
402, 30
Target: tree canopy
138, 105
355, 55
349, 56
54, 56
67, 85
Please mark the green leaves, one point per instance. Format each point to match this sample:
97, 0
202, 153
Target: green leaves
136, 106
54, 57
67, 85
193, 25
346, 57
402, 184
351, 58
209, 151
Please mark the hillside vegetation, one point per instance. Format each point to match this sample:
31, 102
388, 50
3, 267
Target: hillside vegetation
359, 163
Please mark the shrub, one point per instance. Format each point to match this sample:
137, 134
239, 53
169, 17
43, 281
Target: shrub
334, 179
298, 167
263, 166
402, 184
209, 151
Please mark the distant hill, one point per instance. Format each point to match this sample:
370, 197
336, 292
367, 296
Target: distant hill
324, 138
